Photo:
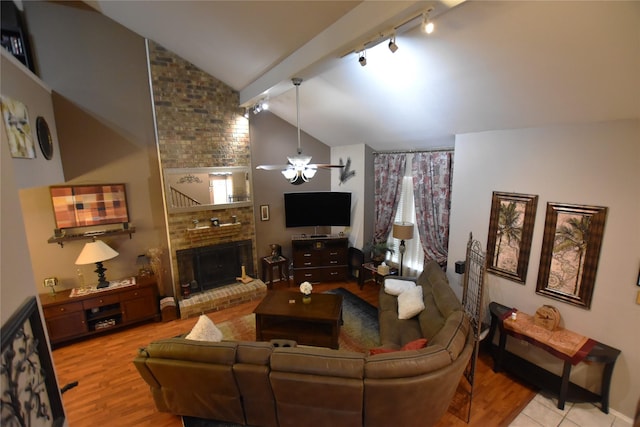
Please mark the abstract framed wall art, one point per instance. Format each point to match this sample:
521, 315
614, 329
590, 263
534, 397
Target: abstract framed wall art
570, 252
510, 233
30, 395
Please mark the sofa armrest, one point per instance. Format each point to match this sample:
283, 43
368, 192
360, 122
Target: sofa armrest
222, 353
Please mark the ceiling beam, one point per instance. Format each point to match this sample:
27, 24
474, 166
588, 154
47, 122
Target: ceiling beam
362, 23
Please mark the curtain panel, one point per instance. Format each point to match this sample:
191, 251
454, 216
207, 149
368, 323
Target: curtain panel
432, 174
389, 170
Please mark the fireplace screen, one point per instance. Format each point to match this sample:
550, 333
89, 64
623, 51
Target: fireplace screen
213, 266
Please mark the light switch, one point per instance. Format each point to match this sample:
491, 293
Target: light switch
638, 298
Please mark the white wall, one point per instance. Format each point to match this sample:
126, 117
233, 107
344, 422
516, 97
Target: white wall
591, 164
356, 185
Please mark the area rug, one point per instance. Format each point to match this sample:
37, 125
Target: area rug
359, 333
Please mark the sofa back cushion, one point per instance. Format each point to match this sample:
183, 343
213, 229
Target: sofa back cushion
408, 363
439, 299
317, 387
453, 335
223, 353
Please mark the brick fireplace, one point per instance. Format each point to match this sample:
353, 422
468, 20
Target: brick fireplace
199, 124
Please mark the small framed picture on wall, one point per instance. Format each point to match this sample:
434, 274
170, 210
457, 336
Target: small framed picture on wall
264, 212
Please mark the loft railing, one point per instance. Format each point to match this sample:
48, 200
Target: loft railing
181, 200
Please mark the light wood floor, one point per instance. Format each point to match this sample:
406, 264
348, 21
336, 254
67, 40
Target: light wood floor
110, 391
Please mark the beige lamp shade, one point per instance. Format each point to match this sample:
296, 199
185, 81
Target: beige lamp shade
96, 251
403, 230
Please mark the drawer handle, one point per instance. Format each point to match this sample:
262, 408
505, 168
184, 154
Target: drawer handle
62, 309
101, 301
307, 255
307, 263
333, 273
135, 294
308, 275
333, 253
333, 262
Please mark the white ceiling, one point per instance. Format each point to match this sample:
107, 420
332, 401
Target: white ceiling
489, 65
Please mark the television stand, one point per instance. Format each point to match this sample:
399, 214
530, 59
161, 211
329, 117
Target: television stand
320, 259
317, 236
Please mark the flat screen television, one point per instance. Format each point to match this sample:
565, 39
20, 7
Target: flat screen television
317, 208
89, 205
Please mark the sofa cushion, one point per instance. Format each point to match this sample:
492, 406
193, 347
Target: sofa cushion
403, 364
410, 303
254, 352
453, 334
223, 353
411, 345
318, 361
397, 286
205, 330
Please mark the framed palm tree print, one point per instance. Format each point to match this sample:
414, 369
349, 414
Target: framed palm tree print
570, 252
510, 233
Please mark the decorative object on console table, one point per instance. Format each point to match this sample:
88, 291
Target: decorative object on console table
96, 252
402, 231
143, 263
51, 282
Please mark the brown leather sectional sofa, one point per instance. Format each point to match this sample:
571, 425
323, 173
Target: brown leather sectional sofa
257, 384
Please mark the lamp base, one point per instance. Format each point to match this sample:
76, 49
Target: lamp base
102, 285
102, 281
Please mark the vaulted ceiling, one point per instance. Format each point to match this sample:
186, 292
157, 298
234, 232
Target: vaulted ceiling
489, 65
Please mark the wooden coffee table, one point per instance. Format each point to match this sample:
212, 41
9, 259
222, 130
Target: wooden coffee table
283, 315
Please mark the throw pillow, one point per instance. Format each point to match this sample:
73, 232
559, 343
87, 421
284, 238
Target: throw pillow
397, 286
410, 303
205, 330
412, 345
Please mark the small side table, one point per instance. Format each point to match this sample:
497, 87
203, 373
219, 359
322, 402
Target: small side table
372, 270
269, 263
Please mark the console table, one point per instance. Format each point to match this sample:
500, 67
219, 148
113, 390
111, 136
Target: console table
560, 386
69, 318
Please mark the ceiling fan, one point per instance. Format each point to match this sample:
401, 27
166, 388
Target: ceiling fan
298, 170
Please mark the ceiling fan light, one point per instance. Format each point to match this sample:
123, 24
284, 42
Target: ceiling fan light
289, 173
309, 172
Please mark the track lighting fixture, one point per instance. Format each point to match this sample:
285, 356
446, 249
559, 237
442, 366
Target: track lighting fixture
260, 106
363, 58
427, 25
392, 44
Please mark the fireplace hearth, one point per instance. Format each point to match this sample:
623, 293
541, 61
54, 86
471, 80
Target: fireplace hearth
212, 266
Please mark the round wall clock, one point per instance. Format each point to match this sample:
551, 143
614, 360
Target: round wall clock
44, 137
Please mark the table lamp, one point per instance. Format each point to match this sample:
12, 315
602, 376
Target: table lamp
97, 251
402, 231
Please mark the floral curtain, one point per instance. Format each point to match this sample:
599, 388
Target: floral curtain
432, 173
388, 169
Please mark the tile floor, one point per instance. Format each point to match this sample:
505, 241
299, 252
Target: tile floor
543, 411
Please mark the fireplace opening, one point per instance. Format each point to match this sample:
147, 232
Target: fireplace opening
209, 267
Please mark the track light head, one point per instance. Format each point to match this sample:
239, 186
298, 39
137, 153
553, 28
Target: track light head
392, 44
363, 59
427, 25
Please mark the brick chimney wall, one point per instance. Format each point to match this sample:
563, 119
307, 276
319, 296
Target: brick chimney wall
199, 124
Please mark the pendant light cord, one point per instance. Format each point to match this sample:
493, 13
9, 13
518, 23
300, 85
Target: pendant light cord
296, 82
